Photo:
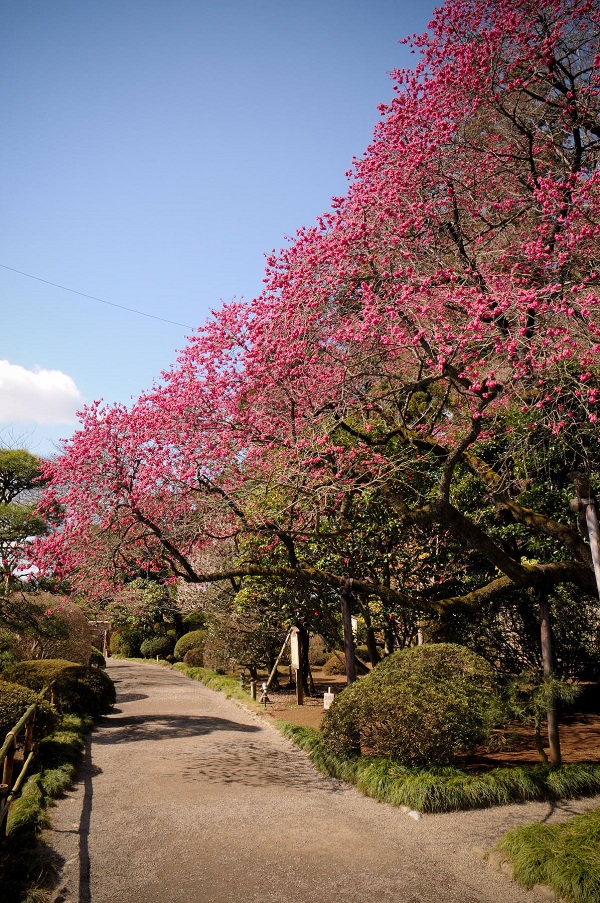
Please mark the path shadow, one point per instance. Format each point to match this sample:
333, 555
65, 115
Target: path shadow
128, 729
255, 765
131, 697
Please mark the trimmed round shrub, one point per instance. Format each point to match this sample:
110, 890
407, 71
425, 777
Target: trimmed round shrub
195, 639
157, 645
334, 666
194, 658
421, 706
79, 689
14, 702
97, 659
317, 651
127, 641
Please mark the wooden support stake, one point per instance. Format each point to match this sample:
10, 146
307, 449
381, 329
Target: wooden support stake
299, 687
548, 664
279, 657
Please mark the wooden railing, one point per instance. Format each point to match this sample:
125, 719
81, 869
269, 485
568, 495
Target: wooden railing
11, 785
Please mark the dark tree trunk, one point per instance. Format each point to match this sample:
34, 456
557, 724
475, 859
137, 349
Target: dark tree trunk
373, 651
349, 649
548, 665
304, 640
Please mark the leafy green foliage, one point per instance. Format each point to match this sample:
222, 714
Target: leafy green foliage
195, 639
79, 689
14, 702
97, 659
157, 645
419, 706
334, 666
194, 658
127, 641
566, 856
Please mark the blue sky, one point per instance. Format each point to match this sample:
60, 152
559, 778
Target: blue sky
152, 154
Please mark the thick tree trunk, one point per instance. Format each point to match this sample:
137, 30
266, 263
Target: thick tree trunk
372, 649
349, 649
548, 665
304, 640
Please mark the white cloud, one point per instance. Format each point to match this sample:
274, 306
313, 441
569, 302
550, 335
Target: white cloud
38, 395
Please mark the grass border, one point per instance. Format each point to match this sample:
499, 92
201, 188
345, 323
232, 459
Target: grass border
564, 856
25, 863
446, 789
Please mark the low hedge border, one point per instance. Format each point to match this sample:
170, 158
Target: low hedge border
564, 856
25, 862
445, 788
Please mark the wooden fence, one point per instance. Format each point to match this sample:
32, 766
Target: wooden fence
11, 784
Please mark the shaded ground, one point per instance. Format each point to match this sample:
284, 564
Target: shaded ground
186, 798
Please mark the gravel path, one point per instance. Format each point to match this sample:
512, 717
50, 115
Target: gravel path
186, 798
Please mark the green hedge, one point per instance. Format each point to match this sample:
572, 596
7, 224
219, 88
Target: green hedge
157, 645
421, 706
14, 702
193, 640
79, 689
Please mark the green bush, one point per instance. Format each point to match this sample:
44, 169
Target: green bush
14, 702
127, 641
193, 640
79, 689
419, 706
194, 658
157, 645
334, 666
97, 659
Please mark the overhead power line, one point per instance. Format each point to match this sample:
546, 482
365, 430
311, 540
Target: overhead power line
73, 291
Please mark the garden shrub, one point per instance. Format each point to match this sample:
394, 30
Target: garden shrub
318, 652
14, 702
157, 645
194, 658
79, 689
97, 659
195, 639
9, 652
420, 706
127, 641
334, 666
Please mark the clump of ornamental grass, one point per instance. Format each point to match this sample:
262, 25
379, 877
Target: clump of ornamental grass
566, 856
444, 788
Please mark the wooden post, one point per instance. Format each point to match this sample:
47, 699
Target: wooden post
299, 687
548, 665
8, 761
349, 650
253, 690
296, 659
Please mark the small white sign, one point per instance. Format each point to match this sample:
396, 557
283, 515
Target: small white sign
328, 698
295, 649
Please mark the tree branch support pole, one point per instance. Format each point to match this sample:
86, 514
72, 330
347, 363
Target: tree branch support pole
548, 666
279, 657
349, 649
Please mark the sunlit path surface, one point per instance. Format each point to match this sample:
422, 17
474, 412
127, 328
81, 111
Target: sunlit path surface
186, 798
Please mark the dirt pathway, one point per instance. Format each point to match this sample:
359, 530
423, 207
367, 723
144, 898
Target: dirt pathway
186, 798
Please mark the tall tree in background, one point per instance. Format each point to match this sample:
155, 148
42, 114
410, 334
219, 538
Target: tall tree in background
453, 289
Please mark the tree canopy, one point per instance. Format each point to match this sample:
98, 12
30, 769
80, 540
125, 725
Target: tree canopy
410, 355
